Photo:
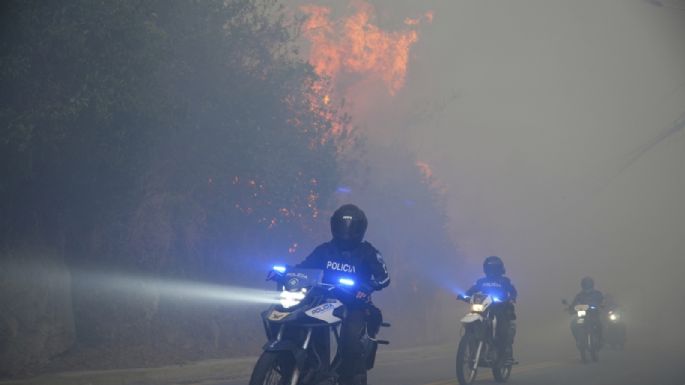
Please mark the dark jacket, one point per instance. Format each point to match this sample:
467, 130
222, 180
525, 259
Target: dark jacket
588, 297
499, 287
363, 264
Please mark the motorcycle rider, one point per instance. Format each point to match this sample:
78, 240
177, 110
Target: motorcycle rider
497, 285
588, 296
348, 255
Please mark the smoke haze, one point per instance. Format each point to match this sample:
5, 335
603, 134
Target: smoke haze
557, 131
194, 145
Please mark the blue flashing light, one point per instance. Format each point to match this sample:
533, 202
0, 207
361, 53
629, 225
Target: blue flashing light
496, 299
279, 268
344, 190
346, 282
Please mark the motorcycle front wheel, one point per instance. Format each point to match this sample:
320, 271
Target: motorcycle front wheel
467, 367
593, 346
273, 368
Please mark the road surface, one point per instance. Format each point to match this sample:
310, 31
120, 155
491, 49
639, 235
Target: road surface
436, 367
418, 366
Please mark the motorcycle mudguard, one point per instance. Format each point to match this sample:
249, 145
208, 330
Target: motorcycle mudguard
288, 346
471, 317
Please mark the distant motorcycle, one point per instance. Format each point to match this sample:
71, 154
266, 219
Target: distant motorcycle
615, 335
307, 305
587, 330
477, 346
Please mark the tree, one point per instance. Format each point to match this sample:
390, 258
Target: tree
169, 138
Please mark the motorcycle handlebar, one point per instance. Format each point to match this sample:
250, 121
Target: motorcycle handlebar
350, 291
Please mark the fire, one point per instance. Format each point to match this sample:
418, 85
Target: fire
425, 170
356, 46
353, 51
429, 177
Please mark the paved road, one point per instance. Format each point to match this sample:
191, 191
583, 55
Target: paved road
614, 368
418, 366
436, 367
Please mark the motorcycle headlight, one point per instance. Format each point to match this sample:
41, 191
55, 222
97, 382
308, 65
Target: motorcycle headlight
581, 313
292, 298
613, 317
477, 307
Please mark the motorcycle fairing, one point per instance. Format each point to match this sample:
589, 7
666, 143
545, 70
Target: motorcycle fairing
299, 278
276, 315
471, 317
324, 312
288, 346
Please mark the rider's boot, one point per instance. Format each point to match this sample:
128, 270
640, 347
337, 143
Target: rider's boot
357, 379
509, 355
330, 380
326, 378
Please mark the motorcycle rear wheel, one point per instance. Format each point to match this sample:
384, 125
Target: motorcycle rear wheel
273, 368
501, 372
467, 368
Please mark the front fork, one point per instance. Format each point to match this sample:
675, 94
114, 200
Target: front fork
305, 345
478, 351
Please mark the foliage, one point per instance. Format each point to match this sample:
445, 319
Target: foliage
166, 138
176, 138
122, 120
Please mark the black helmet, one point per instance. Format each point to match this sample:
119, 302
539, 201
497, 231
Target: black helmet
587, 283
348, 226
493, 266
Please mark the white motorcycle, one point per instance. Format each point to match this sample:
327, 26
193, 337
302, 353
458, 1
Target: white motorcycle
307, 305
477, 347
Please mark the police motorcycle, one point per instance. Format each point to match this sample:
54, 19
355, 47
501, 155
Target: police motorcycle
615, 334
477, 347
588, 329
308, 309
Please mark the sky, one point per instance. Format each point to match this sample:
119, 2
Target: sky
556, 128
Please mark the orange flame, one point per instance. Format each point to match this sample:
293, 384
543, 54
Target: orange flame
429, 177
356, 46
425, 170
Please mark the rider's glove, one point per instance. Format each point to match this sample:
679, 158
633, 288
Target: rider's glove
273, 275
364, 293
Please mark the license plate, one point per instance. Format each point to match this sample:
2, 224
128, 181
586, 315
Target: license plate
581, 320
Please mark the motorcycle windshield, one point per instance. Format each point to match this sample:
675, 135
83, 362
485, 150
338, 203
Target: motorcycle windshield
478, 298
298, 278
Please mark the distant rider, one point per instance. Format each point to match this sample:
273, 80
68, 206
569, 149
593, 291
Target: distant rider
588, 296
347, 255
497, 285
